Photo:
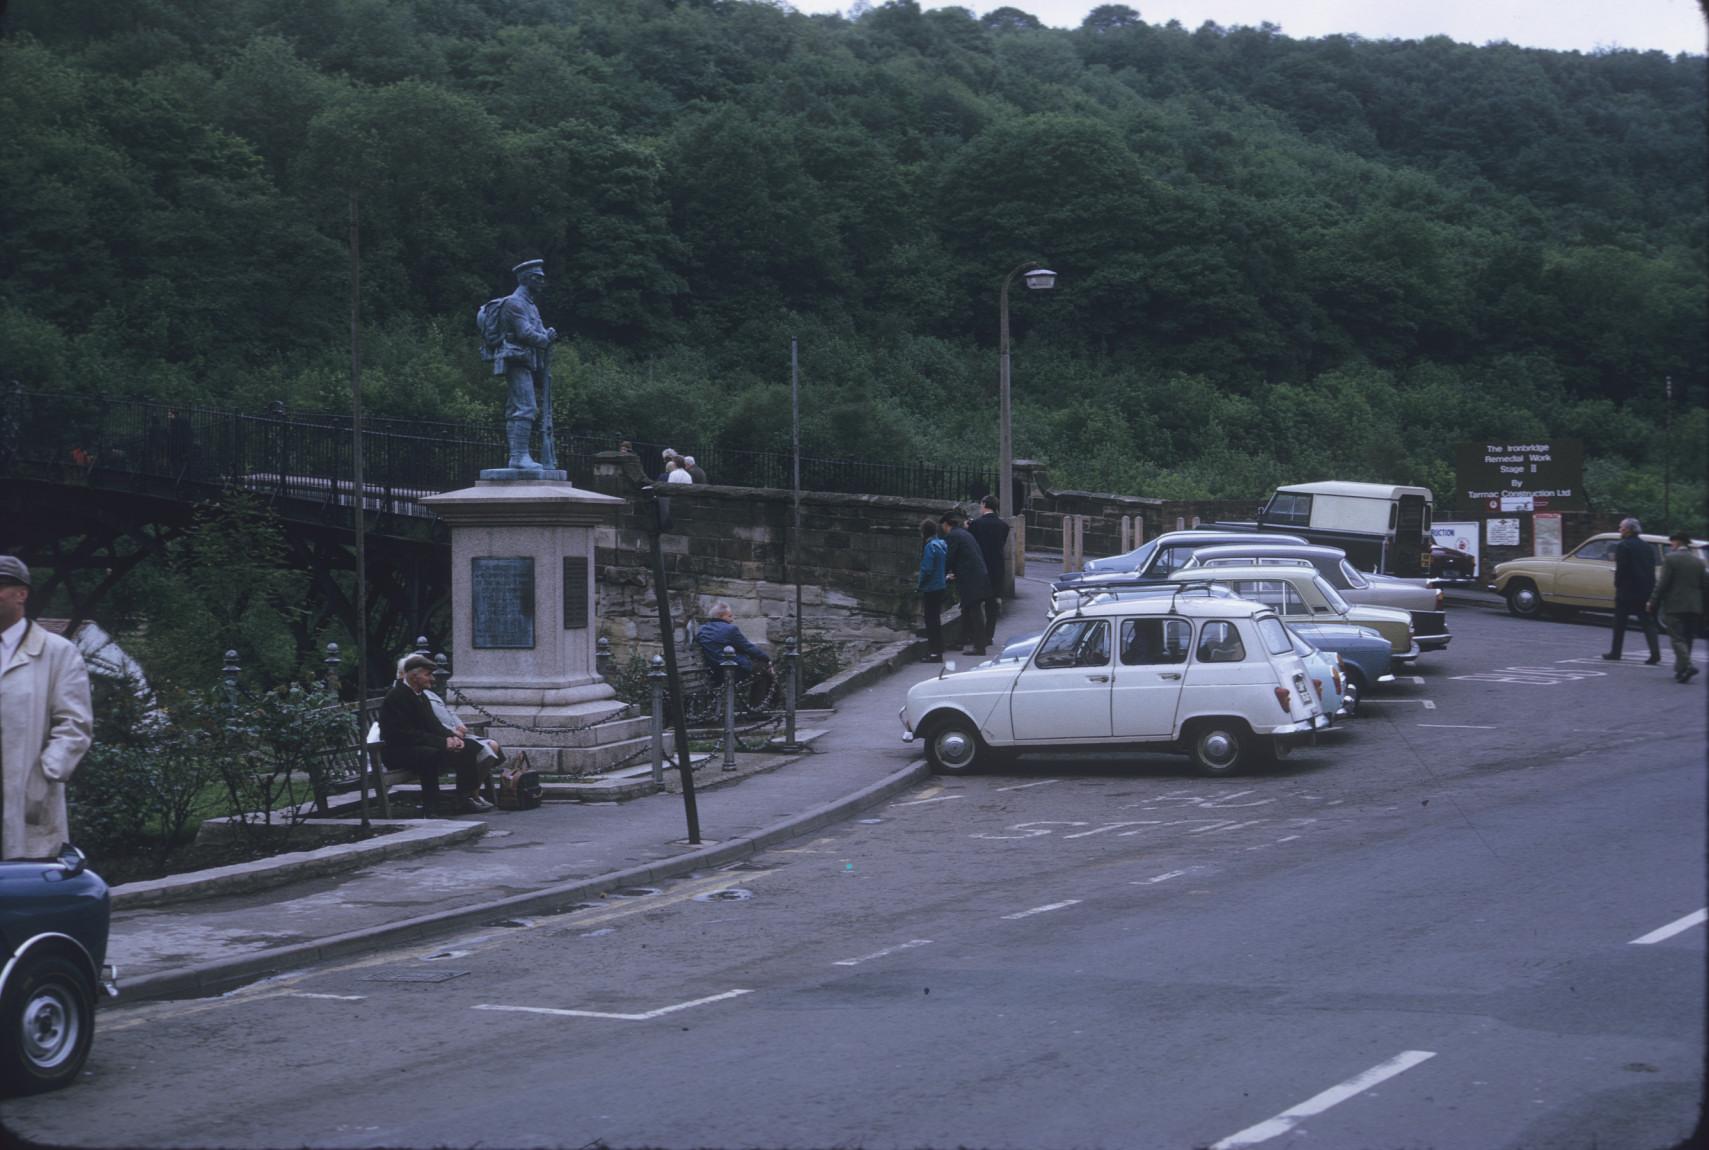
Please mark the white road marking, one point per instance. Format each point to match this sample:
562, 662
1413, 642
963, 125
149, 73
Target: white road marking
917, 802
1459, 726
1317, 1104
1661, 933
336, 997
1226, 825
1168, 874
1024, 786
1042, 909
1287, 838
909, 945
643, 1017
1417, 679
1428, 705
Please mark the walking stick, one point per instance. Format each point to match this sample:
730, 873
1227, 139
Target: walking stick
548, 449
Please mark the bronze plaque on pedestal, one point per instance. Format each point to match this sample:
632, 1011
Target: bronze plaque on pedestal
501, 599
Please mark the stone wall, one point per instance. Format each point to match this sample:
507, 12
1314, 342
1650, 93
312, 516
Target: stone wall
859, 557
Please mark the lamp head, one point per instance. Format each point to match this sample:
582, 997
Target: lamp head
1041, 279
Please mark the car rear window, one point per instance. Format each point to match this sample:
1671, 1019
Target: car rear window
1219, 642
1277, 641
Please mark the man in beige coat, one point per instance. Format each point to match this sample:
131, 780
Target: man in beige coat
45, 723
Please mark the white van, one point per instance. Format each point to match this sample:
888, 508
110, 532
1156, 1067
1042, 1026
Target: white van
1381, 526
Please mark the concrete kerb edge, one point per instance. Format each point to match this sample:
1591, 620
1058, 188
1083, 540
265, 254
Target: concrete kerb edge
413, 837
219, 977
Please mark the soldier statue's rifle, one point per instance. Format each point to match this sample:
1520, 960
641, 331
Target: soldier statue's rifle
548, 448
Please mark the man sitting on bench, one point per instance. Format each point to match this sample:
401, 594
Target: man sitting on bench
415, 741
751, 663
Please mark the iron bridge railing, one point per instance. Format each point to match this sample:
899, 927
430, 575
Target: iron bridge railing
306, 455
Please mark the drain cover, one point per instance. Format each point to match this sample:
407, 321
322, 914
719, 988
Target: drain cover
729, 894
635, 891
413, 976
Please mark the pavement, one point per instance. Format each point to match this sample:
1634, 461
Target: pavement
193, 936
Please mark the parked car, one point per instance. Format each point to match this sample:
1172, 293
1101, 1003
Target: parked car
1211, 676
1384, 527
1327, 679
1156, 558
1367, 659
1452, 565
1429, 621
1582, 578
1101, 588
1300, 594
53, 940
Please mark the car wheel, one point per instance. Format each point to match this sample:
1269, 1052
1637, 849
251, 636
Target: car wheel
952, 747
47, 1024
1523, 599
1218, 747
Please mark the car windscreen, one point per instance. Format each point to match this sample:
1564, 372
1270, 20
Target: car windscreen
1354, 579
1134, 560
1336, 602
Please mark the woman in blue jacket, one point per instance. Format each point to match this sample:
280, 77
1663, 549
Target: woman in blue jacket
933, 554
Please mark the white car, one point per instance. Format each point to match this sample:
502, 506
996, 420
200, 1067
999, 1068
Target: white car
1211, 676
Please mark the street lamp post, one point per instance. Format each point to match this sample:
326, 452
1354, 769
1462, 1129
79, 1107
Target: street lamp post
1038, 278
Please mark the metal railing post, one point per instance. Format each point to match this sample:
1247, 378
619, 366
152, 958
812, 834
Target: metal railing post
332, 661
728, 665
656, 679
602, 658
792, 672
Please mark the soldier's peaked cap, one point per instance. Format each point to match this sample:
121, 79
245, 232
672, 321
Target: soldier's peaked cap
527, 265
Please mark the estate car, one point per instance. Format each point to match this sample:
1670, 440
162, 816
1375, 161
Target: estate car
1212, 676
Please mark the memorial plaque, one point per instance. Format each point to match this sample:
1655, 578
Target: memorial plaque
501, 593
575, 593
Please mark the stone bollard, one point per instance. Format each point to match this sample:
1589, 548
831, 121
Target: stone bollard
729, 666
656, 679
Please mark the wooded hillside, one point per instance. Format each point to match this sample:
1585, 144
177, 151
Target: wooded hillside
1280, 259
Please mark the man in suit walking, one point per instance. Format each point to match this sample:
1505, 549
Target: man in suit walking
1679, 593
1634, 580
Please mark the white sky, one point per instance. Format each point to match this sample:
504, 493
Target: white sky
1671, 25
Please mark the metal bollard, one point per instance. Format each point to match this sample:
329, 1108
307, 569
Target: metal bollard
602, 658
656, 678
331, 662
792, 684
441, 673
729, 666
421, 646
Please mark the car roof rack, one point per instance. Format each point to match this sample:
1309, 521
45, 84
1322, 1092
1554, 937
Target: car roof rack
1202, 586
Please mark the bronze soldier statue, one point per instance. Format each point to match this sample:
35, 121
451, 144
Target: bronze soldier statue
519, 347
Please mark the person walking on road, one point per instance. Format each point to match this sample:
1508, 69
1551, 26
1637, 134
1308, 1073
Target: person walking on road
1634, 580
933, 554
1679, 594
966, 567
991, 532
46, 723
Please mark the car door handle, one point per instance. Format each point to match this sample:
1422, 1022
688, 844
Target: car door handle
1097, 678
1168, 675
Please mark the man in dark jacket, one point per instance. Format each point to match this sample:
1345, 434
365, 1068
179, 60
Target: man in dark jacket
1679, 593
991, 532
751, 662
1634, 580
416, 741
967, 571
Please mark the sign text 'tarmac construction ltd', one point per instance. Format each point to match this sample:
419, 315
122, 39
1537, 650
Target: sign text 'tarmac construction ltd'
1521, 475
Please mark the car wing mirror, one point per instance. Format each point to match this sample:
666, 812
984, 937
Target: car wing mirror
73, 860
946, 668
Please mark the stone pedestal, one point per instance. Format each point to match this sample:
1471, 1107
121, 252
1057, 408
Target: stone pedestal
522, 617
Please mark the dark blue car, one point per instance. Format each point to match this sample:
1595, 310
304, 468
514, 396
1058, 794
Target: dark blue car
53, 942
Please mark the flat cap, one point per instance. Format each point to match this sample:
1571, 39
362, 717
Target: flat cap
417, 661
12, 570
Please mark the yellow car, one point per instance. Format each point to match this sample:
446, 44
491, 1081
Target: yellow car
1583, 577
